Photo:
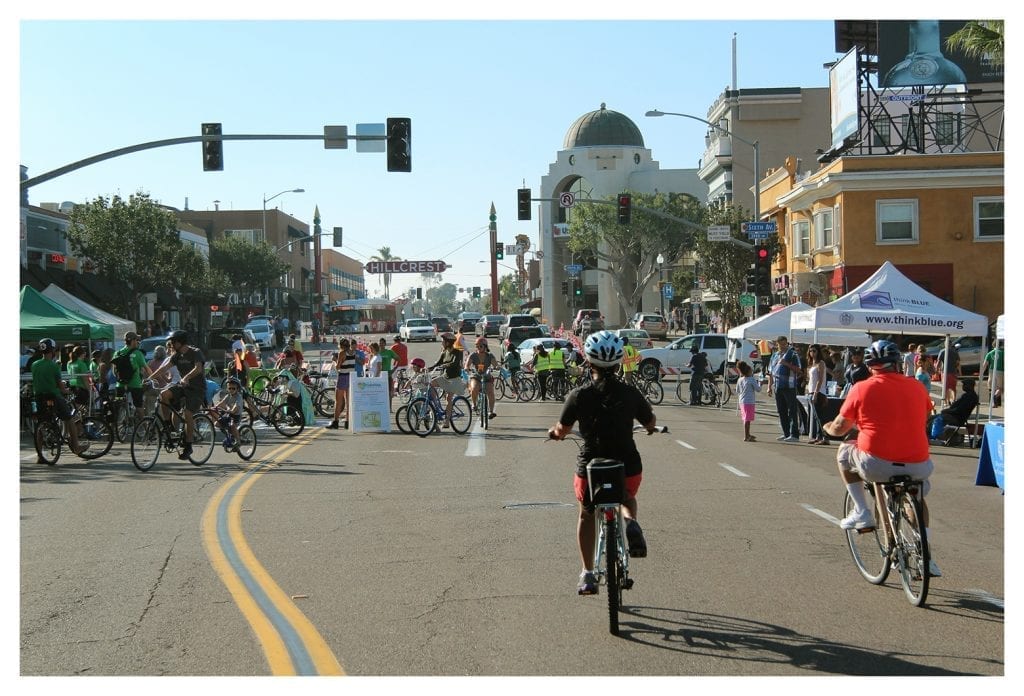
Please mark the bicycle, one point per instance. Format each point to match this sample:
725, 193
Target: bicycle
606, 481
519, 386
95, 436
153, 433
426, 412
269, 408
710, 393
651, 388
902, 542
245, 445
481, 405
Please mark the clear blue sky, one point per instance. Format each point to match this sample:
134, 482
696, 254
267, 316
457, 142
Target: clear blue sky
490, 103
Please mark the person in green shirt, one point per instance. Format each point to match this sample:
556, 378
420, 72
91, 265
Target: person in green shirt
81, 376
139, 368
993, 363
388, 363
47, 384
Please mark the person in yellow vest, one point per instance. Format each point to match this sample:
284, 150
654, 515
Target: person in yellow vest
630, 360
556, 372
541, 365
459, 345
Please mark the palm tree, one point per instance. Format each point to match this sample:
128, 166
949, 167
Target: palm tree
384, 254
979, 38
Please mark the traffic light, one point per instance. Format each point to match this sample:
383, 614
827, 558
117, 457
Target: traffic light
499, 251
419, 293
524, 204
578, 290
625, 208
476, 291
751, 285
565, 287
399, 132
213, 150
337, 236
762, 271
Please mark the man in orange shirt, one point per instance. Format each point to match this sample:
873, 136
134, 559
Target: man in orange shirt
402, 351
889, 411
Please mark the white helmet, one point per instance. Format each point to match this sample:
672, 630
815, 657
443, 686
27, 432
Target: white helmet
603, 349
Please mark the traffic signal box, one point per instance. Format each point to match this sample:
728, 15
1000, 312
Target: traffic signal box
762, 272
499, 251
213, 150
625, 208
399, 134
524, 204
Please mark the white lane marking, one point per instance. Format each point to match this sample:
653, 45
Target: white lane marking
733, 470
820, 513
987, 597
686, 445
477, 445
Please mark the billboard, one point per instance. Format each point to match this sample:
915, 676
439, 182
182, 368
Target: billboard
844, 97
914, 53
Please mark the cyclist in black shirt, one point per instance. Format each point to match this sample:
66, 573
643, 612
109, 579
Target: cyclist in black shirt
605, 410
190, 389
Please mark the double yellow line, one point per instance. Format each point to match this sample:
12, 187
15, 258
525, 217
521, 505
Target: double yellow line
290, 642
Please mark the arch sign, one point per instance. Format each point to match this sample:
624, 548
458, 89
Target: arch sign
406, 266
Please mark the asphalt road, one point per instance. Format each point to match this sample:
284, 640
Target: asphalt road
389, 554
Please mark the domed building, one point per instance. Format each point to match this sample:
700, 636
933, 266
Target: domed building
603, 154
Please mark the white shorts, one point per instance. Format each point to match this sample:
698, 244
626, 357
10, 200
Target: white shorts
871, 468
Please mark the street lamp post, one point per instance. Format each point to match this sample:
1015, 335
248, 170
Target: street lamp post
661, 283
757, 152
266, 296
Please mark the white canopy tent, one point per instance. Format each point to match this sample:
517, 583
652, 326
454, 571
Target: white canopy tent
66, 299
771, 326
890, 303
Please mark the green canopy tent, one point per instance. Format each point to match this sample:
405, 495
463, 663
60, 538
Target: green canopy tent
42, 318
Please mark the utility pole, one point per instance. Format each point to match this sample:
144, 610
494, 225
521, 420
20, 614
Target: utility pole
494, 259
314, 306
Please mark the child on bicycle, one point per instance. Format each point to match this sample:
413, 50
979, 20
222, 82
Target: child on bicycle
746, 386
229, 409
605, 409
477, 364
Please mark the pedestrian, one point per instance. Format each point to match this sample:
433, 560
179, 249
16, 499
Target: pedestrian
401, 350
698, 366
344, 363
746, 387
541, 366
924, 371
950, 371
388, 365
784, 372
373, 365
856, 371
909, 358
993, 364
816, 397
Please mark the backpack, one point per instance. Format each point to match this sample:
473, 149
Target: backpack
123, 367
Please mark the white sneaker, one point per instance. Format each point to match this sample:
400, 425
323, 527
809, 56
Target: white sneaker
858, 520
781, 438
791, 438
933, 569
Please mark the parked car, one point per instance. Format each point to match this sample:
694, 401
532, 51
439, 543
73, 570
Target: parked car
638, 338
489, 325
421, 329
528, 347
969, 348
653, 324
466, 321
587, 321
513, 321
148, 345
676, 355
263, 331
442, 324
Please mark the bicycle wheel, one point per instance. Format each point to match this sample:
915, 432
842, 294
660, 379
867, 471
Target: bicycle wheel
726, 392
96, 437
287, 420
147, 439
867, 546
402, 418
259, 384
679, 390
420, 417
123, 423
246, 442
462, 415
203, 437
499, 389
653, 392
323, 404
526, 388
481, 407
912, 555
48, 442
612, 578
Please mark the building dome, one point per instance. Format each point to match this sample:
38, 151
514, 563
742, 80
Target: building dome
603, 127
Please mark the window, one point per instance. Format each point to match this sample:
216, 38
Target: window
251, 236
911, 132
988, 218
801, 238
714, 343
895, 221
946, 129
823, 230
881, 133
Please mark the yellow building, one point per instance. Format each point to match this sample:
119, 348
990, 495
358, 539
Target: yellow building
937, 217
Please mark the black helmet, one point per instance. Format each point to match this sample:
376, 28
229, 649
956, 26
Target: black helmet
47, 344
882, 353
180, 336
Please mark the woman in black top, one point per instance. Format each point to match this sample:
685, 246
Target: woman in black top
605, 410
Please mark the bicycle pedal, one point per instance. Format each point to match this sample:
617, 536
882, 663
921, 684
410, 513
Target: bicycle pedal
865, 530
628, 584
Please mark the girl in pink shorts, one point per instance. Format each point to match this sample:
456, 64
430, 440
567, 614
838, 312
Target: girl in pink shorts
746, 387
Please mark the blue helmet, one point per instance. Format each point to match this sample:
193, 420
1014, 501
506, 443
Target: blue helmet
882, 353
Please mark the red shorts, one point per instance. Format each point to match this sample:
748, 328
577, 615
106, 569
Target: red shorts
579, 485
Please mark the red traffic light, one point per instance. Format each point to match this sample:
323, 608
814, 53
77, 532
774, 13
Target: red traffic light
762, 254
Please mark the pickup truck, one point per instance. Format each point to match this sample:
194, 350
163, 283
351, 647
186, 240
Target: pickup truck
515, 320
587, 321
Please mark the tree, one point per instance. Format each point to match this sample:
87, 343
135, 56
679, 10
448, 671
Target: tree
442, 299
245, 266
135, 244
384, 254
628, 253
982, 38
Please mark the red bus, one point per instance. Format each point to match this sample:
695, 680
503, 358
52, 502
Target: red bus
363, 316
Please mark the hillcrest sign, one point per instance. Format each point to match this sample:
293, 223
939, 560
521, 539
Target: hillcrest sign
405, 266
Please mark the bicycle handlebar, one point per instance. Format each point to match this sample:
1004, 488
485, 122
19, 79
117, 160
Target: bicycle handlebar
636, 428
